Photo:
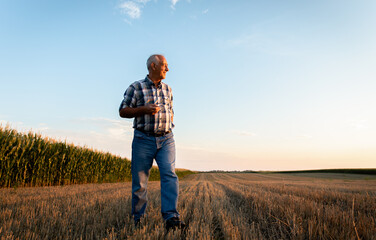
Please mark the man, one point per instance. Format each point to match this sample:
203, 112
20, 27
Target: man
149, 102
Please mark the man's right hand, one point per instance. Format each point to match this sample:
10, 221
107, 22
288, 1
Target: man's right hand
129, 112
151, 109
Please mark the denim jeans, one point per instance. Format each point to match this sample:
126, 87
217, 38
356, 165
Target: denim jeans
144, 150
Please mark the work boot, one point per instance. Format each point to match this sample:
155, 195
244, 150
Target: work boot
137, 223
173, 223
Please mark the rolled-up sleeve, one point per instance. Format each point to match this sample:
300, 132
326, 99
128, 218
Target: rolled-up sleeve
129, 98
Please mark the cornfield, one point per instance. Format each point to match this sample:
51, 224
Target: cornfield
215, 205
31, 160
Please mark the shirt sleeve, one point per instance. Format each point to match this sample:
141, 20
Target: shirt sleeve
129, 98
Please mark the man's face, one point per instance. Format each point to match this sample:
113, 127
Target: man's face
161, 68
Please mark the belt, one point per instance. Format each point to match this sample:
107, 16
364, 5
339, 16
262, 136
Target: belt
153, 134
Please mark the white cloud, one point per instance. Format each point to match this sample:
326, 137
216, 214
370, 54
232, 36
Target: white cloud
110, 135
142, 1
111, 128
131, 8
173, 3
127, 21
205, 11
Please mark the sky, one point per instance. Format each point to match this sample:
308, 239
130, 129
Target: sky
258, 85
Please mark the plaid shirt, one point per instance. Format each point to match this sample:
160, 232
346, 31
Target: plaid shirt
143, 92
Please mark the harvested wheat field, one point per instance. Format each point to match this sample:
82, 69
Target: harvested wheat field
215, 205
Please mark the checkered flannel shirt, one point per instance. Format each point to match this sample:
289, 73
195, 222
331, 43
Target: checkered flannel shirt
143, 92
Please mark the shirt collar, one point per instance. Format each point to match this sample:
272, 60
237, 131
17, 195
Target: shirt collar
151, 82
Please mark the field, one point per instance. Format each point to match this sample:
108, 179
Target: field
29, 159
215, 205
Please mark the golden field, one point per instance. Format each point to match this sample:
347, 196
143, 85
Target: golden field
215, 205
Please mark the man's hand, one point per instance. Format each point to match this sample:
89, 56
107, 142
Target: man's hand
151, 109
129, 112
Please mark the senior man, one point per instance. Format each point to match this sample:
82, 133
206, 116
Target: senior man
149, 102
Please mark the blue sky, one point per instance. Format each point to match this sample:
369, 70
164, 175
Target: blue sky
261, 85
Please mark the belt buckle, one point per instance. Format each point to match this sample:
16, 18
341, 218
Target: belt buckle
161, 134
154, 134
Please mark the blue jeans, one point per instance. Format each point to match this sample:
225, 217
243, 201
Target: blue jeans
144, 150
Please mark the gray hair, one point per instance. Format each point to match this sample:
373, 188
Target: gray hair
153, 59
